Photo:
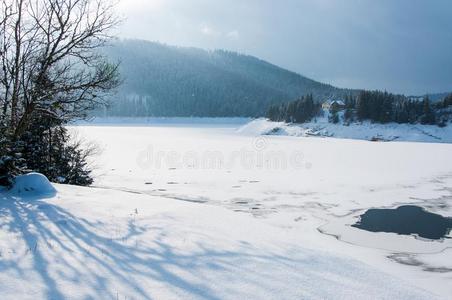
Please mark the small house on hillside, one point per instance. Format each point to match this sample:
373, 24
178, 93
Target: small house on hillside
336, 105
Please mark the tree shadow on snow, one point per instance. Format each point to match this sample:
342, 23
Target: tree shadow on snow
63, 247
68, 253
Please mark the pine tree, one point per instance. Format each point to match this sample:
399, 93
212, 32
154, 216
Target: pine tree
299, 111
428, 116
334, 117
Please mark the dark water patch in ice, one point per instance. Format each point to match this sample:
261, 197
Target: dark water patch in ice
406, 220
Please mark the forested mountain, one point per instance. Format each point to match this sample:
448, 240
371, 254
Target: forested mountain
161, 80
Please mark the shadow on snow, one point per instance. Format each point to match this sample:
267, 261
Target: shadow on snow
53, 235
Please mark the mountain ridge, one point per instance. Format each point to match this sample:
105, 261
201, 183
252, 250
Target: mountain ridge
172, 81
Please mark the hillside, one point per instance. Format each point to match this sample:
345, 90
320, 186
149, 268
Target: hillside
161, 80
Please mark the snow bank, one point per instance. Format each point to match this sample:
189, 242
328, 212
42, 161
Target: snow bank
34, 184
360, 131
260, 127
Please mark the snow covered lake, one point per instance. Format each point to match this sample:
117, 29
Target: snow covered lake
203, 210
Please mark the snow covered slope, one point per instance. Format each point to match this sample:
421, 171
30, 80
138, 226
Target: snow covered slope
360, 131
102, 244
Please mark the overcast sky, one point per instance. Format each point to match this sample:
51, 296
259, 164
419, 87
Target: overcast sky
399, 45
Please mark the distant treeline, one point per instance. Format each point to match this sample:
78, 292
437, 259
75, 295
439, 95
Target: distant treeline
299, 111
374, 106
384, 107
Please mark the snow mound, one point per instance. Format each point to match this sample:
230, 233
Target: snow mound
260, 127
32, 183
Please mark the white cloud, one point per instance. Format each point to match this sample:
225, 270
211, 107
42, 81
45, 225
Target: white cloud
233, 35
209, 31
295, 35
212, 32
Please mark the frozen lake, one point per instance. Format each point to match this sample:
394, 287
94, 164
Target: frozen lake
197, 209
305, 185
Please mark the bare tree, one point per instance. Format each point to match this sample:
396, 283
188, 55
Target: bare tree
51, 72
50, 63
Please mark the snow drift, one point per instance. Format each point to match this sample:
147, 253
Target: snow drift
34, 184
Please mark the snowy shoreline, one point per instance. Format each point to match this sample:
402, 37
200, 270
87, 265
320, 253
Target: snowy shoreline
357, 131
318, 128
